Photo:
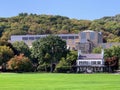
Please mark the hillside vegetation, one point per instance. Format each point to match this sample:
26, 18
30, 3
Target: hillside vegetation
48, 24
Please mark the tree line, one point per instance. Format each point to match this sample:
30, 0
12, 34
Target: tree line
49, 24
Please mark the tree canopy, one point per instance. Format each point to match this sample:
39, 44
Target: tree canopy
22, 47
49, 24
49, 49
5, 54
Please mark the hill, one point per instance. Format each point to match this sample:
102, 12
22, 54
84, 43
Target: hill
48, 24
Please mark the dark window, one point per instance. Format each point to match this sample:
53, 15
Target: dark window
24, 38
37, 38
98, 62
64, 37
93, 62
31, 38
71, 37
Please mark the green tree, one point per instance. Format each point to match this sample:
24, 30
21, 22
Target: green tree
22, 47
49, 49
68, 63
5, 54
97, 50
113, 51
71, 58
62, 66
8, 44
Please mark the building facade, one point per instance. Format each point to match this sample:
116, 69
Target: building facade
90, 62
85, 41
88, 40
71, 39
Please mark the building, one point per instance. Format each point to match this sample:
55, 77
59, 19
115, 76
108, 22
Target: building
88, 40
90, 62
71, 39
85, 41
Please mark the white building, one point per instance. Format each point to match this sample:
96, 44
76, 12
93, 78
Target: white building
90, 62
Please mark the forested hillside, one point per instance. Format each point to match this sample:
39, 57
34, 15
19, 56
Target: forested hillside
48, 24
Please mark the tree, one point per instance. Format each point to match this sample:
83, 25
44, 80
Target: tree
49, 49
113, 51
62, 66
8, 44
97, 50
112, 57
22, 47
71, 59
5, 54
20, 63
68, 63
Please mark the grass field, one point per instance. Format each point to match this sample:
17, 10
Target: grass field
38, 81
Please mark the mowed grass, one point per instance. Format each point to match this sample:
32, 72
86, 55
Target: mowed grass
47, 81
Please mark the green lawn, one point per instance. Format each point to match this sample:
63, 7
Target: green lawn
40, 81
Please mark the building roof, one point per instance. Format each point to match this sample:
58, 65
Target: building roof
90, 56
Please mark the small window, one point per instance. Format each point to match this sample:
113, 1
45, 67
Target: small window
92, 35
37, 38
24, 38
76, 37
93, 62
71, 37
31, 38
64, 37
98, 62
83, 37
80, 63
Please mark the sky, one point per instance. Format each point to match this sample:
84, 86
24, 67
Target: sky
77, 9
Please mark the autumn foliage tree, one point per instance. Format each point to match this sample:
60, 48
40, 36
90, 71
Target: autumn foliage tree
20, 63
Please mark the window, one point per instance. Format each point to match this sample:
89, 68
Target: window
83, 63
92, 35
80, 63
24, 38
71, 37
83, 37
31, 38
93, 62
64, 37
37, 38
98, 62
